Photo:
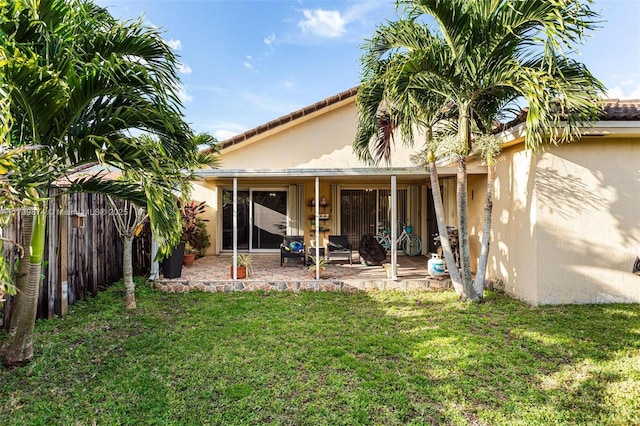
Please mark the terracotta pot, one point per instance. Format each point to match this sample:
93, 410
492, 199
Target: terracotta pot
242, 272
188, 259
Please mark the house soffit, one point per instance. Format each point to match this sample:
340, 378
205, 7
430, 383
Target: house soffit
351, 173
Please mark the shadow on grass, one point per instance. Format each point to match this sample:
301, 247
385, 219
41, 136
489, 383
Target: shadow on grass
329, 358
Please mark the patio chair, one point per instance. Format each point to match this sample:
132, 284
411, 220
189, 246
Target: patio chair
339, 246
295, 250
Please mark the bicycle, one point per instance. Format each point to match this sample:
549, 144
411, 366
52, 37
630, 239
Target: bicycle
410, 244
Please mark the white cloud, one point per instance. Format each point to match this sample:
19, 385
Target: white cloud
184, 69
288, 84
225, 129
248, 65
360, 11
175, 44
323, 23
270, 39
224, 134
630, 91
182, 93
151, 24
614, 93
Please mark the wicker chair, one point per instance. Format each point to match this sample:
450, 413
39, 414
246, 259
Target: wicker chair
287, 253
339, 246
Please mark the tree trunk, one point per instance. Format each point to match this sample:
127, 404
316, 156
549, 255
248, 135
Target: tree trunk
21, 282
19, 347
454, 272
486, 231
127, 268
464, 129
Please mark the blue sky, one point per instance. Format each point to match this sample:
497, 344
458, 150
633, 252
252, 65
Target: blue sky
246, 62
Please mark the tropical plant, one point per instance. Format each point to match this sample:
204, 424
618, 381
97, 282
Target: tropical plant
477, 60
243, 260
189, 249
192, 224
201, 239
78, 82
318, 263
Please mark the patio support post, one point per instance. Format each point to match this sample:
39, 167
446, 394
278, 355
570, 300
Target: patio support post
235, 228
394, 228
317, 205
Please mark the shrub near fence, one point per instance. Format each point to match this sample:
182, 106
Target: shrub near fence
83, 252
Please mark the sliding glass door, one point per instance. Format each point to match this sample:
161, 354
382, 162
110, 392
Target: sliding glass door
269, 214
243, 220
262, 219
366, 211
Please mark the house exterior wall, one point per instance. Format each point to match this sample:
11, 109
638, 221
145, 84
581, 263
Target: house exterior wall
588, 221
566, 223
206, 191
477, 193
326, 139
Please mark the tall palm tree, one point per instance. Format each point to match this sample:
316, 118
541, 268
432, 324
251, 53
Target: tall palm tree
476, 56
385, 108
79, 82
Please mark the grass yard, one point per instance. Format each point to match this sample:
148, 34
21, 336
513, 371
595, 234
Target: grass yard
328, 359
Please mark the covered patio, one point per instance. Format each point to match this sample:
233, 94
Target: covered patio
213, 273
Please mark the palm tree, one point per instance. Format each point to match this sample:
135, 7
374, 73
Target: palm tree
382, 110
79, 82
158, 183
479, 57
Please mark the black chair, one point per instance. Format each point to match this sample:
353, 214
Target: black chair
339, 246
287, 252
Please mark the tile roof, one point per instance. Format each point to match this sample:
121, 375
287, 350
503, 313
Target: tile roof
289, 117
616, 109
613, 109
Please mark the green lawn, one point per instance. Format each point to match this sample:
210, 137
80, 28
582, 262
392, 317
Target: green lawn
328, 358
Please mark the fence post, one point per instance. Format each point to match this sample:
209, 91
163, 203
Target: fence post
62, 293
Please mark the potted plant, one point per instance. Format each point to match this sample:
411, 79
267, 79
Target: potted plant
194, 231
321, 263
172, 264
200, 239
243, 262
189, 255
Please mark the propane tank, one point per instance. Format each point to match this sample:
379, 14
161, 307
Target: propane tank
435, 266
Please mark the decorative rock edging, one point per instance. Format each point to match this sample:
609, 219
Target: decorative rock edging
352, 286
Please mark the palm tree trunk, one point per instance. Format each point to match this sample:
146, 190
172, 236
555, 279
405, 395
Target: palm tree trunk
19, 348
486, 231
454, 272
127, 268
21, 282
464, 129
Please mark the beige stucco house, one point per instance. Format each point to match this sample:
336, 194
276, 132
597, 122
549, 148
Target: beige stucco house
566, 221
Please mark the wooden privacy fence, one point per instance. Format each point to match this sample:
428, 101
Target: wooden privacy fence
83, 252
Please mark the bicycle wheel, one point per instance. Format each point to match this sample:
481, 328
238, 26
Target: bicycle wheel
383, 241
412, 246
